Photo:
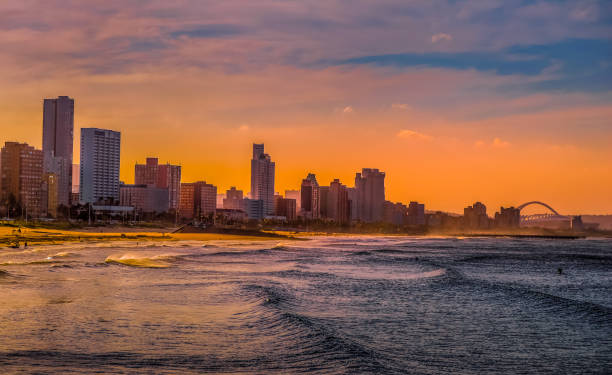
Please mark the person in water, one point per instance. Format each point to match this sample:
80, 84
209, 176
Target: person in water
560, 270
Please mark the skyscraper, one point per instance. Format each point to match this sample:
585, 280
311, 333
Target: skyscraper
100, 159
22, 176
370, 194
58, 128
338, 205
164, 176
310, 196
198, 200
262, 178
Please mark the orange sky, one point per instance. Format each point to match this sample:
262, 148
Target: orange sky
445, 135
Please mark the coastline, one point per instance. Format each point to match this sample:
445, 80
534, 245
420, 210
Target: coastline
13, 236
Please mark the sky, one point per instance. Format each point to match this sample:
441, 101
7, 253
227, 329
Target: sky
496, 101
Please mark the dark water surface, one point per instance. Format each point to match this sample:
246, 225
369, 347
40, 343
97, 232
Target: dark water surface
332, 305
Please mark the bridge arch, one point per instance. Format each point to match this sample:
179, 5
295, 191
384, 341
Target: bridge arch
538, 203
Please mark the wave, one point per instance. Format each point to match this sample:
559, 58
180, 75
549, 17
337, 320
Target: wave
135, 260
27, 263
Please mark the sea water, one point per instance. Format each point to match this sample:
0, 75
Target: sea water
329, 305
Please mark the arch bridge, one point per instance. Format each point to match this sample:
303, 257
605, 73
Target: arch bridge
553, 216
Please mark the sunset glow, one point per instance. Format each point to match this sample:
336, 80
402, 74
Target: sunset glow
500, 102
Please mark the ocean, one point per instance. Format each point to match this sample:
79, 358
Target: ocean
329, 305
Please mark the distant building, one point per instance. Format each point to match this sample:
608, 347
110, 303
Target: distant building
508, 218
206, 199
57, 144
165, 176
49, 194
187, 200
294, 194
254, 208
100, 161
323, 195
75, 182
21, 175
230, 216
338, 205
309, 194
395, 213
285, 207
475, 217
144, 198
442, 220
198, 200
370, 195
262, 178
415, 214
234, 199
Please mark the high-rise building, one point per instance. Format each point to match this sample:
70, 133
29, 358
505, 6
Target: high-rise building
100, 160
309, 194
198, 200
164, 176
338, 205
285, 207
206, 201
416, 213
234, 199
508, 217
22, 176
187, 200
370, 194
144, 198
294, 194
262, 178
58, 139
323, 194
395, 213
475, 216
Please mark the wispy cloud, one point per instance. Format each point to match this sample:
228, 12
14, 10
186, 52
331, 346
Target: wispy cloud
441, 37
400, 106
411, 134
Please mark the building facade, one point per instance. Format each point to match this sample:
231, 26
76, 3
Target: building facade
144, 198
57, 145
164, 176
262, 178
234, 199
310, 196
475, 216
254, 208
285, 207
21, 168
509, 217
415, 214
370, 195
198, 200
99, 169
338, 207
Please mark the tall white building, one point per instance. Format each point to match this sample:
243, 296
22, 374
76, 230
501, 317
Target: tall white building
58, 128
99, 174
262, 178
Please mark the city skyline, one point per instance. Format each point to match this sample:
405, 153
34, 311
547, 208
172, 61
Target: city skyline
446, 97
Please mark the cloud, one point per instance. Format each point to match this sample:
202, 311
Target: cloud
208, 31
348, 109
243, 128
400, 106
441, 37
495, 143
411, 134
498, 143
